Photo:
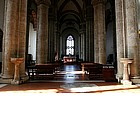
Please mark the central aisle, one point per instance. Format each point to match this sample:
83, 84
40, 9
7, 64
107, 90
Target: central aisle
70, 73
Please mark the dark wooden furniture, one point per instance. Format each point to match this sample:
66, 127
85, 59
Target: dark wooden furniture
109, 73
98, 71
94, 70
43, 71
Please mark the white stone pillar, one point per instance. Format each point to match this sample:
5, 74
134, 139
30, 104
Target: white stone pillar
42, 31
99, 31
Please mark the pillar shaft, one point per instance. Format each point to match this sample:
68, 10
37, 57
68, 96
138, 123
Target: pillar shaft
132, 34
51, 46
14, 42
9, 37
82, 42
120, 36
57, 37
99, 31
42, 31
22, 36
89, 33
96, 48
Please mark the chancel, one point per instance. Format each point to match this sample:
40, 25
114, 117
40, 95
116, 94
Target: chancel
89, 33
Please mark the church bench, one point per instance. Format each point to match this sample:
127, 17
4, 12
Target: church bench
43, 71
85, 65
99, 72
109, 73
93, 70
31, 70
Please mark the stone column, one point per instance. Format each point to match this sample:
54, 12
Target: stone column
89, 34
51, 46
42, 31
96, 48
99, 31
120, 37
82, 42
22, 37
57, 38
57, 42
14, 42
132, 35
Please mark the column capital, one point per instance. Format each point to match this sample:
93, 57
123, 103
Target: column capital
96, 2
46, 2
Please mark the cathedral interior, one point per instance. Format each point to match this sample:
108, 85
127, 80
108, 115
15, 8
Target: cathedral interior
52, 47
84, 31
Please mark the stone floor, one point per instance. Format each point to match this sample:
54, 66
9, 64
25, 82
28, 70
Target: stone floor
70, 79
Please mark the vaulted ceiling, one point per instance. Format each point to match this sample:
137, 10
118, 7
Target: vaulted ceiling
70, 13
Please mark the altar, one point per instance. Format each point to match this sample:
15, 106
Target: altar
68, 59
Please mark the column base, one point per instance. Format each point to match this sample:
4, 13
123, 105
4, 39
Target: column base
135, 80
16, 82
126, 82
5, 81
23, 79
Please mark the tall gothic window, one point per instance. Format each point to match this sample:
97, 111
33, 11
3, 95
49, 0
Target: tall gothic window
70, 45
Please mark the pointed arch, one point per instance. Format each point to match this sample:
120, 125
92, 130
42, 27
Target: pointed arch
70, 45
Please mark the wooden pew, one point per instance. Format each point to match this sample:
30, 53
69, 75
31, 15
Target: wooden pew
94, 70
43, 71
109, 73
31, 70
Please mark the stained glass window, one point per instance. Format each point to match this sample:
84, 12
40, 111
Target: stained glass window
70, 45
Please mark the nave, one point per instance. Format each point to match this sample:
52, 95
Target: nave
70, 79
